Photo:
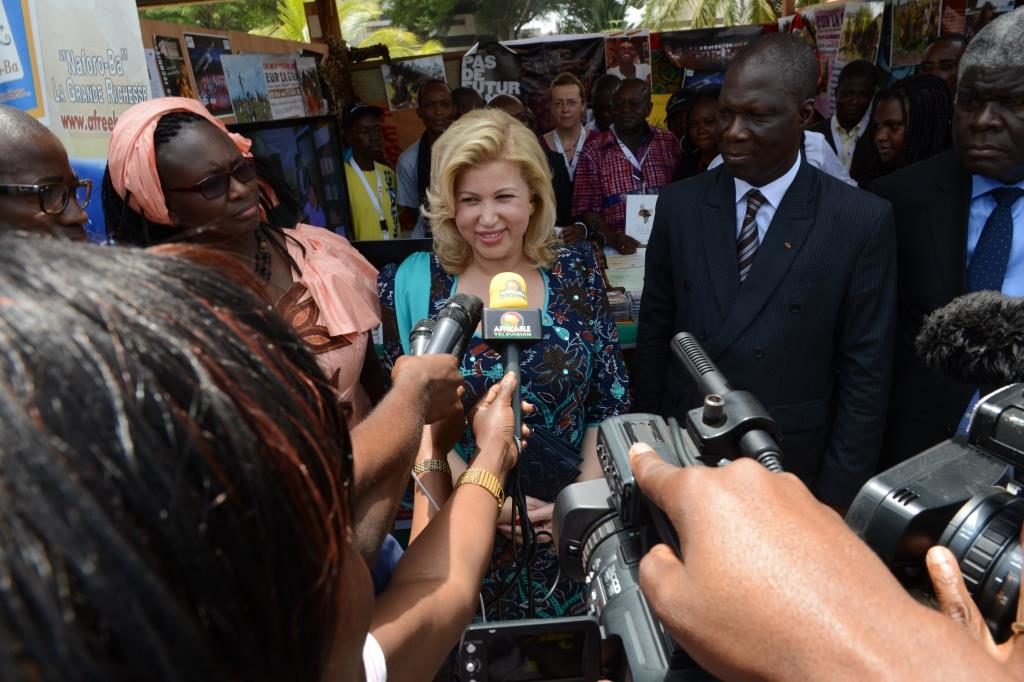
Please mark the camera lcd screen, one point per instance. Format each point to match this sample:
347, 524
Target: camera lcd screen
552, 656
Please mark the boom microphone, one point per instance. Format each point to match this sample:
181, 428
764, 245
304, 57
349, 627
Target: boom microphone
977, 338
730, 420
420, 335
455, 325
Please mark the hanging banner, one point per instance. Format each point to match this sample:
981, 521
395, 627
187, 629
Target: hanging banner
541, 59
915, 23
861, 32
491, 69
19, 59
704, 54
629, 56
403, 79
76, 81
821, 26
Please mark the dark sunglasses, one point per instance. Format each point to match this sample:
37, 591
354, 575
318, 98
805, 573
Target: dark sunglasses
215, 186
54, 197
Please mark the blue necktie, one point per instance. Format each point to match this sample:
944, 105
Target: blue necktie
987, 268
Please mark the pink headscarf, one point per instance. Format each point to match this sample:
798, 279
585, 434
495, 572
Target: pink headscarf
132, 153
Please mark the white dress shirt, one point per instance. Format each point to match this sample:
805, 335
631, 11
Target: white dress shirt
773, 193
846, 141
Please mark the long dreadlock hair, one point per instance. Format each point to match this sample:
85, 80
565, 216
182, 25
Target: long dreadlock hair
927, 108
127, 226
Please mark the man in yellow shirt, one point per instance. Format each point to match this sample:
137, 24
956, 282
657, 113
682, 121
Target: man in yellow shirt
372, 186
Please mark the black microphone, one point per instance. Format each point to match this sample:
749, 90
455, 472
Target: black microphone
455, 325
509, 318
420, 335
977, 338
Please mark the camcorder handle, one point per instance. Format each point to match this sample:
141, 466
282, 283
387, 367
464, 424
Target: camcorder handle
730, 423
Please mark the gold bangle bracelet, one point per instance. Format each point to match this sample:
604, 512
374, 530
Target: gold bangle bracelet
431, 465
486, 480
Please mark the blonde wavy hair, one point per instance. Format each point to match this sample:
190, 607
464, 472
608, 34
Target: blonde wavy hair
477, 138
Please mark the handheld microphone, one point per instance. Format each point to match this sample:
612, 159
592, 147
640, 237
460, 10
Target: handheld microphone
977, 338
420, 335
455, 325
509, 318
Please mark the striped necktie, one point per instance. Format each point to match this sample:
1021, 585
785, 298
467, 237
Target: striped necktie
747, 243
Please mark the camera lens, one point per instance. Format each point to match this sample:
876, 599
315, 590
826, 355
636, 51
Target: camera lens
984, 536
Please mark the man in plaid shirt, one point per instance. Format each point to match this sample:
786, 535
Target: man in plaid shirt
630, 158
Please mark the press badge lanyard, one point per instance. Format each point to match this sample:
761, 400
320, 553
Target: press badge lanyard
638, 165
570, 165
375, 199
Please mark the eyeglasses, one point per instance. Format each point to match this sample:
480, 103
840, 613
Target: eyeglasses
54, 197
215, 186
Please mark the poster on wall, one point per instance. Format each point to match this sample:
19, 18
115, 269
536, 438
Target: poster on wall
204, 55
170, 63
19, 59
542, 59
821, 27
629, 56
915, 23
283, 86
309, 79
247, 86
704, 54
491, 69
156, 86
81, 81
403, 79
862, 30
981, 12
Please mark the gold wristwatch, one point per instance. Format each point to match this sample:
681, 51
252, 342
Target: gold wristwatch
486, 480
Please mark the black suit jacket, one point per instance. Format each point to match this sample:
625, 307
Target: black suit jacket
865, 164
809, 332
931, 200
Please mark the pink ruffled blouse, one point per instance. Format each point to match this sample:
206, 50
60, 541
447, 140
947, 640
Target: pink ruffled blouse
332, 307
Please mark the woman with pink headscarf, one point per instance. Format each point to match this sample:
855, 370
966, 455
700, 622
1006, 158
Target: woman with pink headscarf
175, 174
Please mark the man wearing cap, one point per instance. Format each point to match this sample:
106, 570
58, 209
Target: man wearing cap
372, 186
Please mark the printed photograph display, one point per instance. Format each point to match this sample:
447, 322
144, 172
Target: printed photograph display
403, 79
204, 55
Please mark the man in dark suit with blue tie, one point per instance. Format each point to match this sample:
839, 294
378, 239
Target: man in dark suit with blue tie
785, 274
960, 228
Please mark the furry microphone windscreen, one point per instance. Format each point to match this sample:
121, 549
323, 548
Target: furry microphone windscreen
977, 338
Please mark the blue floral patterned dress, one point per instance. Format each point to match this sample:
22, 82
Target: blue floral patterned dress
574, 376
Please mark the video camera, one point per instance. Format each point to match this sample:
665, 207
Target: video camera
964, 493
602, 528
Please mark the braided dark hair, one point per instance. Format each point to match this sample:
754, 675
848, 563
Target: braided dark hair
125, 225
927, 108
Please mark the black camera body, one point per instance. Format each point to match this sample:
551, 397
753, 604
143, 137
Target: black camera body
602, 528
964, 494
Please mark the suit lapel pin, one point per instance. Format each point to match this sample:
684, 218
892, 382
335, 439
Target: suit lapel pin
788, 245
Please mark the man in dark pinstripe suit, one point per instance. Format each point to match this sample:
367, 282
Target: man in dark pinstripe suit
786, 275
